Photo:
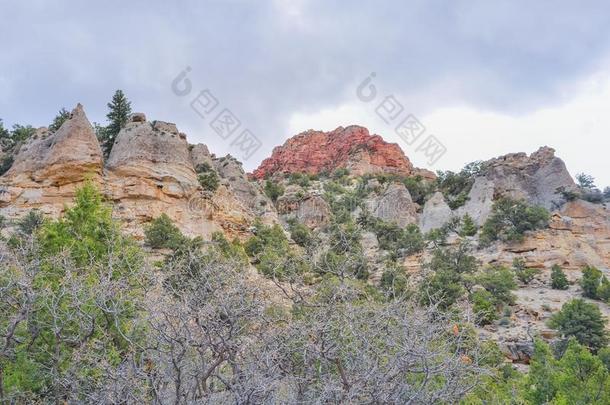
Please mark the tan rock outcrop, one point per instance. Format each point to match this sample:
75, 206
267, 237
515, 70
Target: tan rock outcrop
307, 207
534, 178
150, 171
394, 204
436, 213
578, 235
67, 156
49, 168
248, 193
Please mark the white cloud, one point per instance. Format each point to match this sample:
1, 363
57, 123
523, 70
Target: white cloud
578, 129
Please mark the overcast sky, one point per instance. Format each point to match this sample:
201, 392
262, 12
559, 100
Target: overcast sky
484, 77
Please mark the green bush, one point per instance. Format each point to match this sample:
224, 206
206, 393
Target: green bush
300, 234
483, 307
395, 281
604, 356
273, 190
499, 281
510, 219
230, 249
594, 284
203, 167
585, 180
77, 316
603, 291
342, 205
264, 237
340, 173
400, 242
419, 188
31, 222
468, 226
523, 273
301, 179
582, 321
344, 256
456, 186
590, 281
333, 188
209, 181
450, 269
5, 164
161, 233
558, 278
577, 377
61, 117
271, 253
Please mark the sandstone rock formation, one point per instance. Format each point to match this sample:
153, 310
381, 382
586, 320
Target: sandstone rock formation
480, 201
352, 148
535, 178
61, 158
394, 205
307, 207
150, 171
248, 193
436, 213
49, 167
200, 155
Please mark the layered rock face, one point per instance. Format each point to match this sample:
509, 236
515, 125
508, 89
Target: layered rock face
394, 205
535, 178
352, 148
248, 193
60, 158
49, 167
150, 171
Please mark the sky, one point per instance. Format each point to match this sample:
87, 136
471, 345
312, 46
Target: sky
484, 78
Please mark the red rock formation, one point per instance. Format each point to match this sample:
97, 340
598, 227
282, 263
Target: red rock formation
352, 148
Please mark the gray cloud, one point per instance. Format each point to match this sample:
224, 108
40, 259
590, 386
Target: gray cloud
268, 59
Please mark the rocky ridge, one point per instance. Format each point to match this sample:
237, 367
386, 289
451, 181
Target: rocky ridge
151, 170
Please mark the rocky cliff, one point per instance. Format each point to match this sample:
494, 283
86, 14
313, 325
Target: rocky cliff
352, 148
150, 171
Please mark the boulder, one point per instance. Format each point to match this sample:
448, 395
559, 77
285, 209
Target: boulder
200, 155
137, 117
436, 213
313, 211
394, 205
153, 153
480, 201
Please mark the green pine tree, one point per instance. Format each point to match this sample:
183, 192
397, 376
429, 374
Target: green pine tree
469, 227
61, 117
558, 278
583, 321
120, 108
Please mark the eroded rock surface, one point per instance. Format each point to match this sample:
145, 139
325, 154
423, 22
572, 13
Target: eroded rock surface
150, 171
352, 148
53, 160
535, 178
436, 213
395, 205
